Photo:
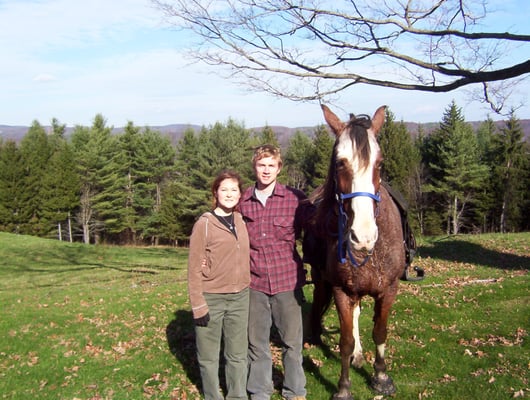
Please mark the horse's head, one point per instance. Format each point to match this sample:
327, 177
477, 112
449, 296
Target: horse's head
355, 166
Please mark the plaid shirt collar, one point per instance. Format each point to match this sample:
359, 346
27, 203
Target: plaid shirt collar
279, 190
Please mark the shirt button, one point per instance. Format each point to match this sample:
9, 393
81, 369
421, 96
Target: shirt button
263, 234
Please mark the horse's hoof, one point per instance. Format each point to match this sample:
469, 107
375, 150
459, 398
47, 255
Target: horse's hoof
336, 396
357, 361
383, 385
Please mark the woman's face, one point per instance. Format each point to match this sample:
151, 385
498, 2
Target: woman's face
228, 194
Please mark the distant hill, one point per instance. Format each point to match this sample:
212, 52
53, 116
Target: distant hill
175, 131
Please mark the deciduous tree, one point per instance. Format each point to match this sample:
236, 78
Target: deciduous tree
306, 50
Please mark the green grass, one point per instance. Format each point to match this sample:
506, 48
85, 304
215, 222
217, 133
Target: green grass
98, 322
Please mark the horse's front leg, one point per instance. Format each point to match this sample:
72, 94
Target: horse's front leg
346, 344
357, 356
381, 382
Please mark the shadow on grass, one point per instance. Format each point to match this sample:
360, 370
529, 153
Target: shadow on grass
473, 253
332, 357
66, 259
180, 336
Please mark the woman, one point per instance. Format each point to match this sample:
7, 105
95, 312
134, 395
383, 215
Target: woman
218, 280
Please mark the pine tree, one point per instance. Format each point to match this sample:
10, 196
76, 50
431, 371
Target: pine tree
510, 171
400, 156
184, 196
425, 220
92, 147
296, 160
35, 151
319, 163
225, 146
457, 169
12, 175
267, 136
486, 195
60, 194
115, 200
153, 164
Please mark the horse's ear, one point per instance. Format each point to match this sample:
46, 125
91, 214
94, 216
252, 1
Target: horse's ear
336, 125
378, 119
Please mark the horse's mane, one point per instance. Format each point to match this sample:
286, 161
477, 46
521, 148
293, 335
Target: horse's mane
325, 196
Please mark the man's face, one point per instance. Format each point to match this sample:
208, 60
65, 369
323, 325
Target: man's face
266, 170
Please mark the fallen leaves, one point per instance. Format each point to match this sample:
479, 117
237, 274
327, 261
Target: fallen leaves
494, 340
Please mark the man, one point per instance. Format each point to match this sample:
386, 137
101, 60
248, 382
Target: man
274, 214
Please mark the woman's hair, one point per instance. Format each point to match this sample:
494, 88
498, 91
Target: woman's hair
221, 176
267, 150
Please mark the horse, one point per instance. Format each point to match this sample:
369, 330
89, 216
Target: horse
360, 225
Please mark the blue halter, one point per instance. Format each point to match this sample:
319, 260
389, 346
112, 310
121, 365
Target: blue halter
345, 250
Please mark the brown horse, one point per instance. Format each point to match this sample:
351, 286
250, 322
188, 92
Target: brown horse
361, 227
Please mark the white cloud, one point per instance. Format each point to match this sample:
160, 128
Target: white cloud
44, 78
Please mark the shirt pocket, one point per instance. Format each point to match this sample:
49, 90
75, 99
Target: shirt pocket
283, 228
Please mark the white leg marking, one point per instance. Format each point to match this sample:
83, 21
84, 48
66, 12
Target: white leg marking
358, 358
381, 350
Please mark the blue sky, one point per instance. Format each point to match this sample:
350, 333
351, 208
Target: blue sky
72, 59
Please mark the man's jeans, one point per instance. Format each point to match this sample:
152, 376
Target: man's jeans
285, 311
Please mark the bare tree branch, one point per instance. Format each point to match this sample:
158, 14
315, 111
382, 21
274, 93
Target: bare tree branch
324, 48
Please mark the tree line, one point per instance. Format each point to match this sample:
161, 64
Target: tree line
136, 187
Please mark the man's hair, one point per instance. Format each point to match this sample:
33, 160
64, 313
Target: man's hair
267, 150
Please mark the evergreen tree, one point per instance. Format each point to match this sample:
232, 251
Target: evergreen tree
35, 151
510, 173
457, 169
184, 196
115, 199
199, 159
400, 156
224, 146
153, 164
296, 160
486, 195
267, 136
12, 175
92, 147
60, 194
485, 132
319, 162
426, 218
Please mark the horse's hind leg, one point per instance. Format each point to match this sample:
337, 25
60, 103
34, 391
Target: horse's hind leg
321, 301
381, 381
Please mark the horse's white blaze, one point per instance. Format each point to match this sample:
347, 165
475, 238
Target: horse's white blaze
357, 349
364, 228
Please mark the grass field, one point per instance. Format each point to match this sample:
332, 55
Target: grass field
99, 322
